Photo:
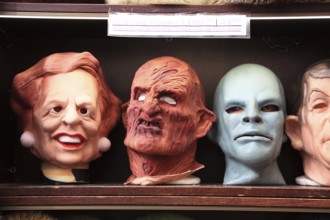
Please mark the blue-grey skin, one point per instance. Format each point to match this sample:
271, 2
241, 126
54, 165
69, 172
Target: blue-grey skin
250, 107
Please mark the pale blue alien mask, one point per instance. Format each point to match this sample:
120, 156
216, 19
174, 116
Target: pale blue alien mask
250, 107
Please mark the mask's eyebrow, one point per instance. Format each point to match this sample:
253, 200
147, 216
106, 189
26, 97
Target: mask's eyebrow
230, 104
275, 101
316, 91
167, 93
137, 90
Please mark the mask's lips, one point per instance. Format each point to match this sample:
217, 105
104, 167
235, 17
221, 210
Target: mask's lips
71, 141
153, 126
252, 135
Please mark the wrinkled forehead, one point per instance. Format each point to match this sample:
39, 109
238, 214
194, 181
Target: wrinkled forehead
165, 72
320, 71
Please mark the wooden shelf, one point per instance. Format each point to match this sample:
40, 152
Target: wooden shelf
100, 11
199, 197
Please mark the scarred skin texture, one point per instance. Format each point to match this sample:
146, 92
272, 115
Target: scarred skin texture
164, 118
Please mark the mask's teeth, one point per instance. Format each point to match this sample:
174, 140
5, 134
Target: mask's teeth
68, 139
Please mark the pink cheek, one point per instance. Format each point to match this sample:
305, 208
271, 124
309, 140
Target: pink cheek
91, 130
133, 112
51, 125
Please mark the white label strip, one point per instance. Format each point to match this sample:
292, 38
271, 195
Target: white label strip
198, 25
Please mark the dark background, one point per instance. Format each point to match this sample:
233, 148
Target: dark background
286, 47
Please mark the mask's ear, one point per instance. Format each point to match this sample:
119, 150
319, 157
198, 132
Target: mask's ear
293, 130
206, 118
124, 113
213, 132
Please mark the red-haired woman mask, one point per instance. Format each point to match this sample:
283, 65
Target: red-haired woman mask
66, 111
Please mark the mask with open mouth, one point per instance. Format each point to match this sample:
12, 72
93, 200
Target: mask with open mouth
149, 126
65, 124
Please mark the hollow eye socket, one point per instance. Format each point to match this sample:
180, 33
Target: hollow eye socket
84, 111
234, 110
142, 96
270, 108
320, 105
57, 109
168, 100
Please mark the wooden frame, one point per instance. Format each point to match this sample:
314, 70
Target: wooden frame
199, 197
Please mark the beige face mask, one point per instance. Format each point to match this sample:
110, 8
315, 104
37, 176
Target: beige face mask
309, 133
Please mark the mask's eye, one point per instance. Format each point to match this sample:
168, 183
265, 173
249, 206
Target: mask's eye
142, 96
320, 105
84, 111
56, 109
234, 110
270, 108
168, 100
